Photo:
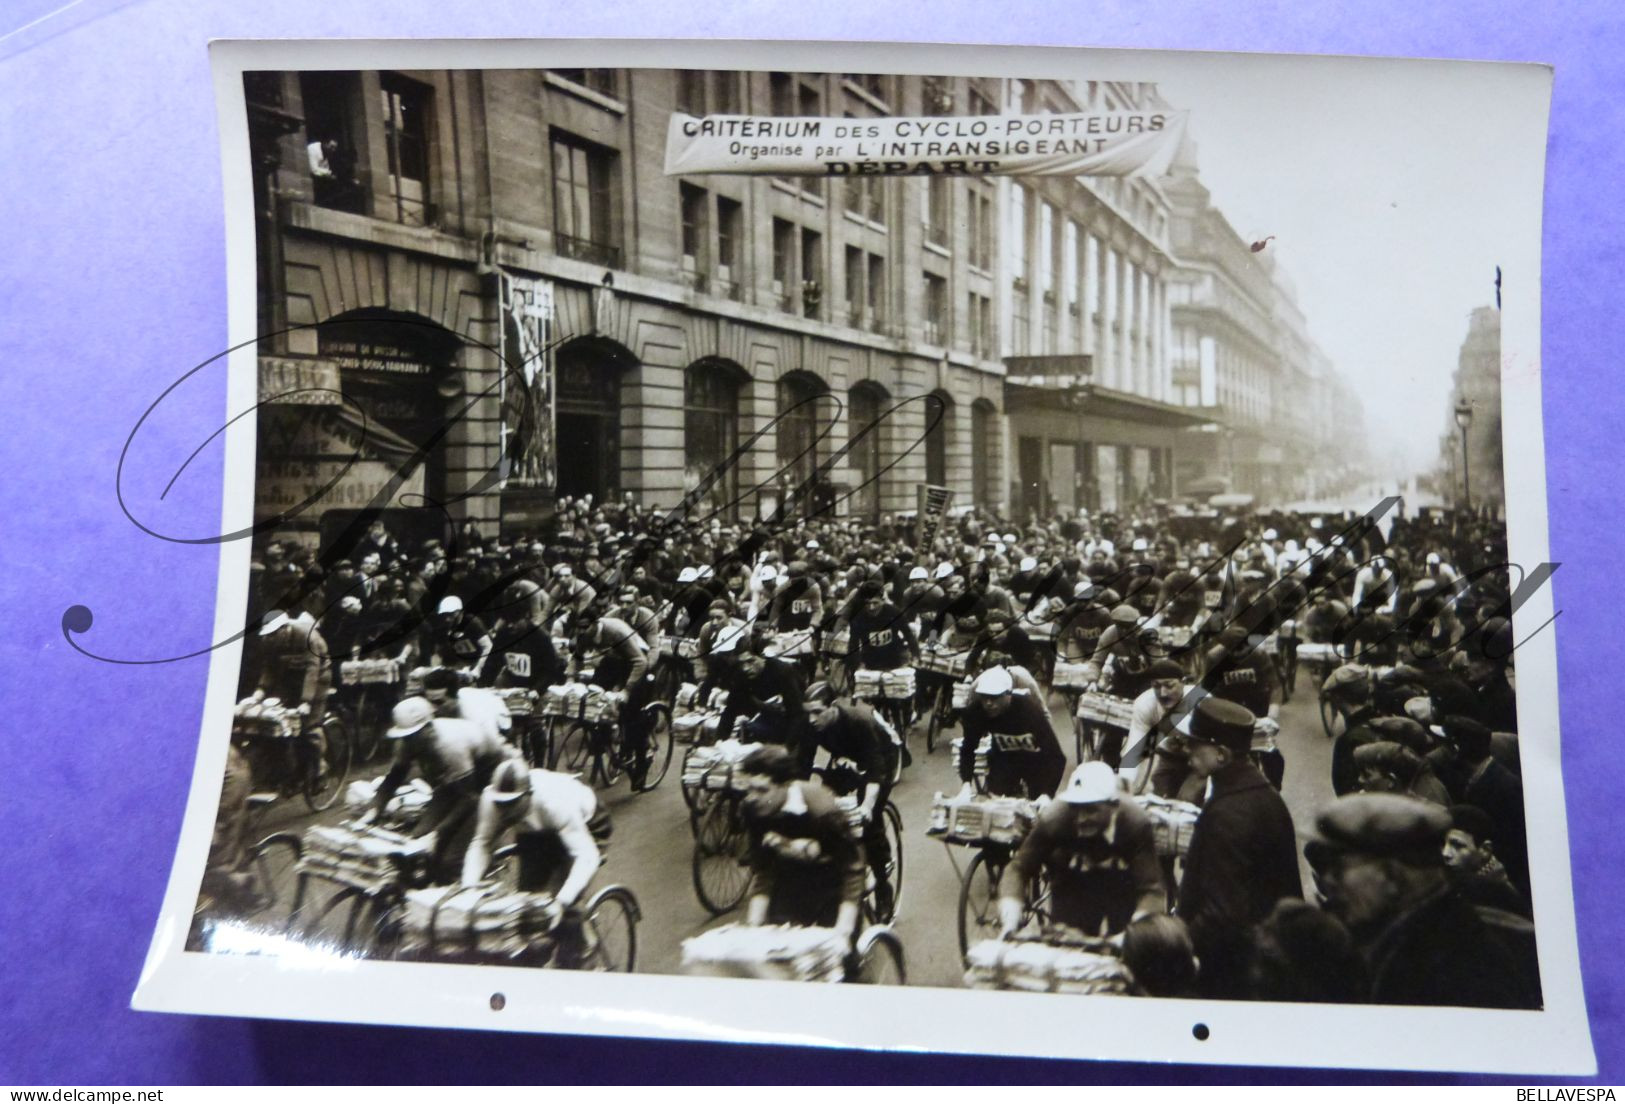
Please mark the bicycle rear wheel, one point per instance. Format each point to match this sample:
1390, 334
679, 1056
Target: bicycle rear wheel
721, 878
612, 931
371, 718
658, 749
979, 902
893, 827
272, 861
879, 958
323, 786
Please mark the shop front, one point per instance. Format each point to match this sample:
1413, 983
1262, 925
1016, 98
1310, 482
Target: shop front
1079, 446
362, 425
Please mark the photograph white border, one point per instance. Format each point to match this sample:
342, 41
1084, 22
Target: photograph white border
317, 987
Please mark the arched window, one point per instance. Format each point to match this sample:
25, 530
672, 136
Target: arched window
939, 420
865, 404
710, 436
984, 453
802, 419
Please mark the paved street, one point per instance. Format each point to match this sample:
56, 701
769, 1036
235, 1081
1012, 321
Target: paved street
652, 849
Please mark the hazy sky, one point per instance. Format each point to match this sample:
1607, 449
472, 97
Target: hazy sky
1386, 186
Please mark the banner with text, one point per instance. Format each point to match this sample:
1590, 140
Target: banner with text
932, 504
1096, 143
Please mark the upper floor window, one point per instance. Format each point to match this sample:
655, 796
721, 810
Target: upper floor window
331, 106
583, 213
406, 137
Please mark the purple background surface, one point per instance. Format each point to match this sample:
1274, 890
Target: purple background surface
112, 279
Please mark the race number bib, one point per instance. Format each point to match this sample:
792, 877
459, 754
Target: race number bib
880, 638
800, 605
1009, 743
518, 664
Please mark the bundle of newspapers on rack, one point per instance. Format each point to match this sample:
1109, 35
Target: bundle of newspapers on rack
403, 809
481, 919
1173, 823
778, 952
713, 767
979, 755
1106, 709
358, 857
368, 672
694, 721
1043, 968
940, 659
579, 700
981, 819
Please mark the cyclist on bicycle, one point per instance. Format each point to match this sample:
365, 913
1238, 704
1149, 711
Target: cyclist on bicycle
807, 867
1098, 854
1005, 636
295, 668
1025, 759
522, 653
457, 758
1077, 640
758, 687
569, 597
629, 607
624, 666
850, 732
557, 824
880, 633
795, 611
455, 638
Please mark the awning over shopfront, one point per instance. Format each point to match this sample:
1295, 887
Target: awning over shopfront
1080, 445
1101, 402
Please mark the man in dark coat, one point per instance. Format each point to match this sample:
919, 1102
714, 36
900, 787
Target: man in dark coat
1243, 856
1379, 862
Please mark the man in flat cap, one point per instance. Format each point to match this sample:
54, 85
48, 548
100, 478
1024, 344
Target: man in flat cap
1349, 690
1379, 863
1243, 856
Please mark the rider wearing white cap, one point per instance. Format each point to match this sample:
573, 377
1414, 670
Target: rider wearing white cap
1024, 756
1098, 853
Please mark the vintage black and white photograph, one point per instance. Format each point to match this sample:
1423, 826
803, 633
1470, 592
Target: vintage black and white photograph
1000, 529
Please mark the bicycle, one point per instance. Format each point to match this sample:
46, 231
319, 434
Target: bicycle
719, 867
287, 756
374, 922
256, 886
844, 780
598, 750
978, 917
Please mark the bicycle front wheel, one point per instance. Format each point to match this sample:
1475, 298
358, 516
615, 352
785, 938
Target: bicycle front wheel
326, 773
272, 862
612, 931
880, 958
572, 750
979, 902
721, 878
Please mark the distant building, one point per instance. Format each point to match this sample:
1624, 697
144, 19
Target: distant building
1477, 379
1087, 265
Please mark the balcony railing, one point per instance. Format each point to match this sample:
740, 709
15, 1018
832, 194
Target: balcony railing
585, 249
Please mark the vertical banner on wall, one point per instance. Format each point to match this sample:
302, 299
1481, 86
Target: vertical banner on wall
932, 508
528, 453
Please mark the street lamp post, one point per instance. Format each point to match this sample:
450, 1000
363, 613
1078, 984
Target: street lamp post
1464, 418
